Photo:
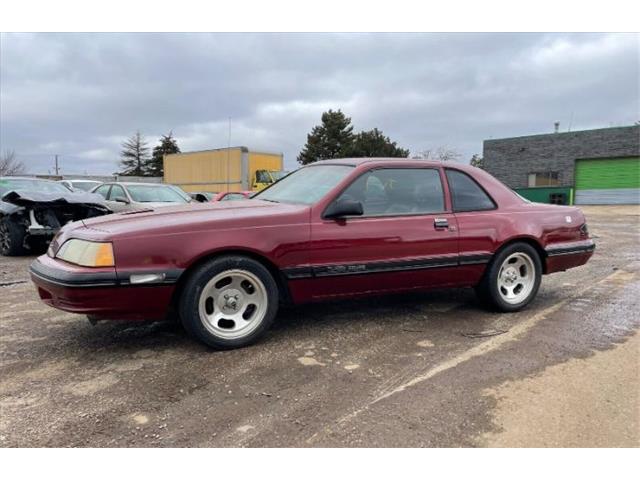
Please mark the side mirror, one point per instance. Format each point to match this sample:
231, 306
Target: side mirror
343, 208
121, 200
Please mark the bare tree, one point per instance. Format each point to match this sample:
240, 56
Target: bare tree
442, 154
477, 161
10, 165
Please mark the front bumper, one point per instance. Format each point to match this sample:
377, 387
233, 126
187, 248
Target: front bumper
562, 256
99, 292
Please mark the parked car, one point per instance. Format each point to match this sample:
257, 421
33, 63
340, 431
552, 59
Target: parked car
332, 229
84, 185
124, 196
226, 196
33, 210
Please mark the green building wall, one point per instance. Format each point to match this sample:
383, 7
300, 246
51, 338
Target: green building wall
543, 194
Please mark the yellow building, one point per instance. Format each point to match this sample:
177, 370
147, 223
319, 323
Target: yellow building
223, 170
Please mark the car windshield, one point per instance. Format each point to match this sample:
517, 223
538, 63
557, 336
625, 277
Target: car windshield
278, 175
305, 186
86, 186
155, 193
182, 193
31, 185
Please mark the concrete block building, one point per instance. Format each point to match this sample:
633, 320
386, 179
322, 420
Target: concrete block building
600, 166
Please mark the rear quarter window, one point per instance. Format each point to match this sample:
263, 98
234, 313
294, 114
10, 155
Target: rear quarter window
466, 194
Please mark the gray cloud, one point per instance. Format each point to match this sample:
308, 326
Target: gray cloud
80, 95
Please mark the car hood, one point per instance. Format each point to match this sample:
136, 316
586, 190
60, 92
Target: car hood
23, 198
197, 217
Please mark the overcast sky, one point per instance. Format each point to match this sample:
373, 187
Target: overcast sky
81, 95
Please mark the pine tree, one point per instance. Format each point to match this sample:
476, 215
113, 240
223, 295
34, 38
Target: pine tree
375, 144
134, 155
331, 139
155, 166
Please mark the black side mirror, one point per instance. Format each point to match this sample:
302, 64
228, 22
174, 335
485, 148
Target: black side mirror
121, 200
343, 208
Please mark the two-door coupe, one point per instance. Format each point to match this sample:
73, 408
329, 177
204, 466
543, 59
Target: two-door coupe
337, 228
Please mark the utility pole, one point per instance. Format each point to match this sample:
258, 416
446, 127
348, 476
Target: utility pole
56, 164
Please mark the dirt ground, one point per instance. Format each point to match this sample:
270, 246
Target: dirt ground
408, 370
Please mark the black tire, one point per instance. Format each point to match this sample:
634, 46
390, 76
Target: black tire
11, 238
488, 290
189, 303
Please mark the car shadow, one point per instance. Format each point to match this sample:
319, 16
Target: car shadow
448, 307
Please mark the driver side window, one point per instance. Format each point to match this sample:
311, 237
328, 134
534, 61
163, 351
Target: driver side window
397, 191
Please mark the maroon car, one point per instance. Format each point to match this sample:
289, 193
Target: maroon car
338, 228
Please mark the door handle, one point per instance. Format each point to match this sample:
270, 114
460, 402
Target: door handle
440, 223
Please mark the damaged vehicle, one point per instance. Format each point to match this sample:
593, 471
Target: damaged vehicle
32, 211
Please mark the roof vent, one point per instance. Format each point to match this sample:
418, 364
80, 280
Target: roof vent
556, 127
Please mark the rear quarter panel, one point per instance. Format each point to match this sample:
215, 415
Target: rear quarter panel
485, 232
543, 225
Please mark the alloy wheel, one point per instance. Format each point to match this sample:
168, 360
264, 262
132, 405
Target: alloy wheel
516, 278
233, 304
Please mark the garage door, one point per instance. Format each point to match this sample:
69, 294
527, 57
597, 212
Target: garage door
607, 181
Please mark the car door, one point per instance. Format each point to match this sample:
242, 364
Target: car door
117, 191
405, 239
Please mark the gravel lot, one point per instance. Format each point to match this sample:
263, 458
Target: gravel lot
408, 370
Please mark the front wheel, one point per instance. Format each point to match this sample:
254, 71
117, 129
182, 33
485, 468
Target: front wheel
512, 278
11, 237
229, 302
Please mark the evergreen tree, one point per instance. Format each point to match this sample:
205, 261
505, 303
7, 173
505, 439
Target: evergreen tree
375, 144
331, 139
134, 155
155, 166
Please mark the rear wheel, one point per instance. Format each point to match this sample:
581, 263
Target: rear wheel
512, 278
229, 302
11, 238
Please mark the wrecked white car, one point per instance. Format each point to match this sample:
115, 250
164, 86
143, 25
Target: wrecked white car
32, 210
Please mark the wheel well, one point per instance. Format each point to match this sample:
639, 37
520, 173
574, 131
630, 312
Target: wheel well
283, 287
529, 241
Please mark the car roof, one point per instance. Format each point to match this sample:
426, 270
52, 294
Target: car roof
138, 183
378, 160
385, 161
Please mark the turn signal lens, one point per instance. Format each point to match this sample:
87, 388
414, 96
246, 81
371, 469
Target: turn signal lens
86, 253
104, 256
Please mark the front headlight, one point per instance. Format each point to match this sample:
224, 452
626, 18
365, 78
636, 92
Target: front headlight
86, 253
